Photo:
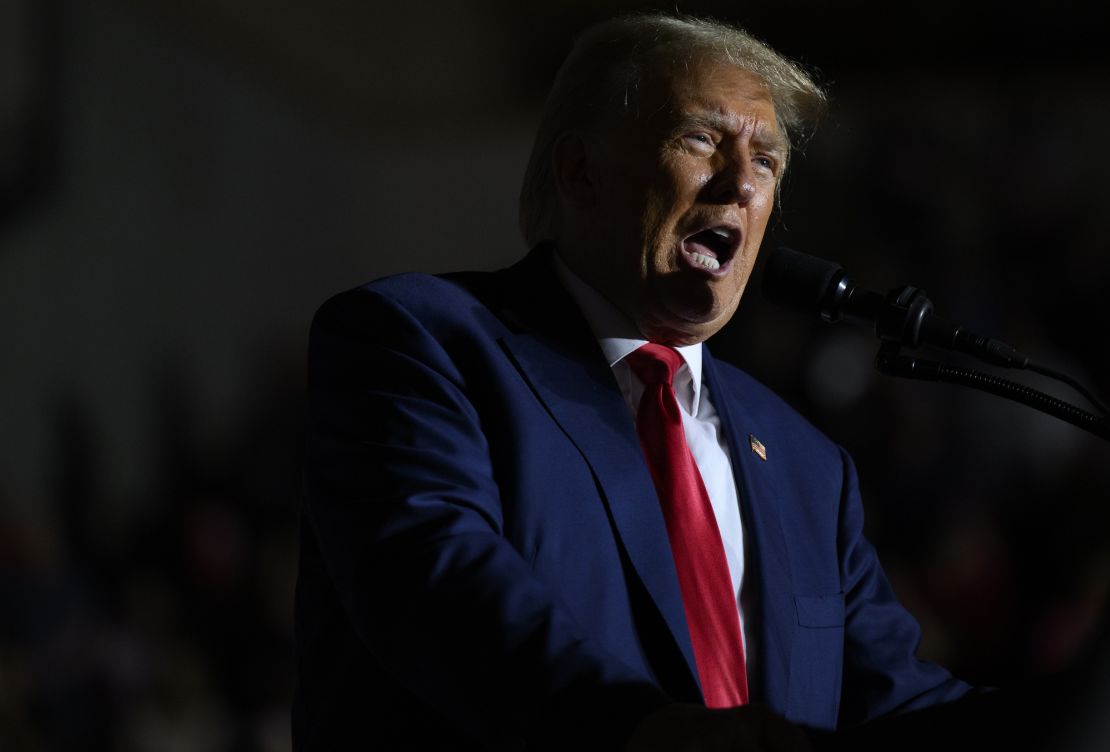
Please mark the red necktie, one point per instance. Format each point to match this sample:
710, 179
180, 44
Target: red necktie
707, 593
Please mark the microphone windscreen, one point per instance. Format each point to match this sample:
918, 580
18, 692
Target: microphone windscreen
797, 280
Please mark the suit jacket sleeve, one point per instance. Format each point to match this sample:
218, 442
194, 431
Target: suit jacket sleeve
405, 516
882, 674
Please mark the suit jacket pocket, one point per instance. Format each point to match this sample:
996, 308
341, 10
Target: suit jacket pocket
817, 660
820, 611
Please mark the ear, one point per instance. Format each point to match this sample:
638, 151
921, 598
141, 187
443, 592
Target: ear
575, 176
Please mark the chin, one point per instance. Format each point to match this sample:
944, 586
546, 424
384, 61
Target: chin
699, 325
685, 311
679, 330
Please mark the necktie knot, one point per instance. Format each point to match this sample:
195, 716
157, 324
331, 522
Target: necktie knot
654, 364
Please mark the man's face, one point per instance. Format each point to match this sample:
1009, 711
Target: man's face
680, 197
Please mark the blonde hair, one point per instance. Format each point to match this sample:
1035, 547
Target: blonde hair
607, 65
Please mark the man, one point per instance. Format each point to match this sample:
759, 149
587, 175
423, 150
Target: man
504, 546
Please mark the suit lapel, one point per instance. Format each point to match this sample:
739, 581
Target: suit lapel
767, 567
557, 354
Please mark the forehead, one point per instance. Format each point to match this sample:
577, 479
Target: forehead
723, 91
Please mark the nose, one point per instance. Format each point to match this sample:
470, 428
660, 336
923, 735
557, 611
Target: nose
734, 180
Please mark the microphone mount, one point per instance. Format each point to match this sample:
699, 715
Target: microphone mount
905, 315
904, 318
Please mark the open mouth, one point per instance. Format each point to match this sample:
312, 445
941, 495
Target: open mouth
711, 249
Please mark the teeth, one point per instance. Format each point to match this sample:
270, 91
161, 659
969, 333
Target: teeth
707, 261
720, 232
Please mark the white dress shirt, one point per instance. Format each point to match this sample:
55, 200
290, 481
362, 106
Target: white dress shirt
618, 337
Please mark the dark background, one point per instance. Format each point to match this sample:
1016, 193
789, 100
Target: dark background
181, 188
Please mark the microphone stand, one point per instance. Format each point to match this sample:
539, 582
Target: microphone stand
892, 362
904, 318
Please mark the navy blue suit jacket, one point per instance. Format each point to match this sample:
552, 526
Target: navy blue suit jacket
484, 562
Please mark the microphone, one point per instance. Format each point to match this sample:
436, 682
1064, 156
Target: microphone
905, 315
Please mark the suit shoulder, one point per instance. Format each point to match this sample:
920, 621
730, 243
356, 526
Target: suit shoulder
424, 297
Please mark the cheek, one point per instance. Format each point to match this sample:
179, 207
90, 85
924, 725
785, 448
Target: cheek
656, 225
674, 193
761, 207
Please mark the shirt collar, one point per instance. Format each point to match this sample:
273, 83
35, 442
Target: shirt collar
618, 335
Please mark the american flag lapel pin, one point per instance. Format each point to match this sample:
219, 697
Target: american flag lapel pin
757, 447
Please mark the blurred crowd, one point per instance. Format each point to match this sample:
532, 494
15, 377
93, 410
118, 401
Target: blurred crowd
161, 620
167, 627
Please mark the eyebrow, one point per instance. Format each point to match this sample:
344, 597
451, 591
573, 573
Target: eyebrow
763, 136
